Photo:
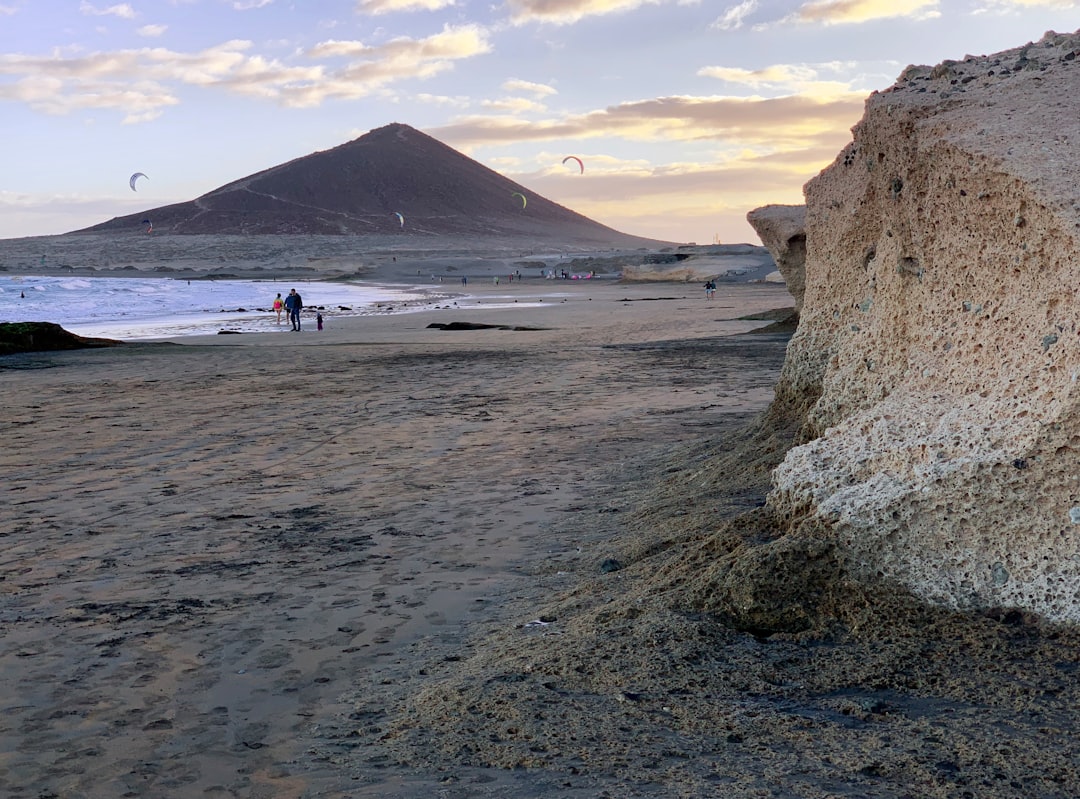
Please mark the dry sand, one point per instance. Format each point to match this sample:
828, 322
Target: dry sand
208, 545
387, 560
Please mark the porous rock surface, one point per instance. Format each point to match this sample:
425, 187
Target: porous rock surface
782, 229
937, 355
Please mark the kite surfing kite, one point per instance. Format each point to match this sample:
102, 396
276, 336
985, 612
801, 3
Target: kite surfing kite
133, 178
401, 219
522, 196
581, 166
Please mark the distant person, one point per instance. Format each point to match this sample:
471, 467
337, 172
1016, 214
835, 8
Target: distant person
279, 306
464, 280
293, 304
318, 321
710, 290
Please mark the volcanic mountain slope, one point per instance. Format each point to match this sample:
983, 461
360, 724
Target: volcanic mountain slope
362, 187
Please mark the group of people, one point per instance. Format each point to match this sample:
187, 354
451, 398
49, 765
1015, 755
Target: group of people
292, 305
710, 290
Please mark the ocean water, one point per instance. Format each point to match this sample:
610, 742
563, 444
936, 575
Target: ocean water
133, 308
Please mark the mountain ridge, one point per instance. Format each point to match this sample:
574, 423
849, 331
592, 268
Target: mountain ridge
393, 180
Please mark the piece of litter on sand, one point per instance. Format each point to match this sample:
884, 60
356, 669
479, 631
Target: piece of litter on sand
536, 623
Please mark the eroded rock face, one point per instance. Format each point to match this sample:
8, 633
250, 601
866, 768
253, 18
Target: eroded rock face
939, 326
698, 263
782, 229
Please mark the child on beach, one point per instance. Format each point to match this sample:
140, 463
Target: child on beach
279, 306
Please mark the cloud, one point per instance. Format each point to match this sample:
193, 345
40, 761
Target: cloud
377, 7
843, 12
515, 105
249, 5
750, 152
372, 67
1006, 6
151, 31
123, 10
777, 123
539, 89
803, 79
441, 100
59, 84
565, 12
690, 196
733, 18
7, 11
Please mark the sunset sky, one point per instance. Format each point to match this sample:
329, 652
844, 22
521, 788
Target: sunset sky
686, 113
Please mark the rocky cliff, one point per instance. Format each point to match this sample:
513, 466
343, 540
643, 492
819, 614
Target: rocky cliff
782, 229
698, 263
937, 356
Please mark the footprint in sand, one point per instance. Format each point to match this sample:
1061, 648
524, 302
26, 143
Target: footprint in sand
273, 658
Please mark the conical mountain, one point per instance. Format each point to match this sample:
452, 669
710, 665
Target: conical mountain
393, 180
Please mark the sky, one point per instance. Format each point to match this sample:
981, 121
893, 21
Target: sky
686, 114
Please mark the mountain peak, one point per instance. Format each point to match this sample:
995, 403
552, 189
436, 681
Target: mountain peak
393, 180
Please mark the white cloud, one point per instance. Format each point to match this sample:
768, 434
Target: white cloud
1006, 6
516, 105
788, 79
123, 10
539, 89
152, 31
846, 12
565, 12
248, 5
376, 7
760, 125
58, 84
734, 16
442, 100
7, 11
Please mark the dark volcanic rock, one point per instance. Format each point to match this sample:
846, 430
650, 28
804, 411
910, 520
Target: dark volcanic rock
360, 188
42, 336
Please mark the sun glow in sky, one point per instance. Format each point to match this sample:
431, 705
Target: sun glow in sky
686, 113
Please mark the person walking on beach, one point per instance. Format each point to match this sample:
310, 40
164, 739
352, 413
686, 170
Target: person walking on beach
293, 304
318, 321
279, 306
710, 290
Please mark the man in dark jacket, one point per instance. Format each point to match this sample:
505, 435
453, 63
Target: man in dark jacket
293, 304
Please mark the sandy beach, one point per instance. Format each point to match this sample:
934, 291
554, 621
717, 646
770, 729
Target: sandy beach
210, 544
395, 560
